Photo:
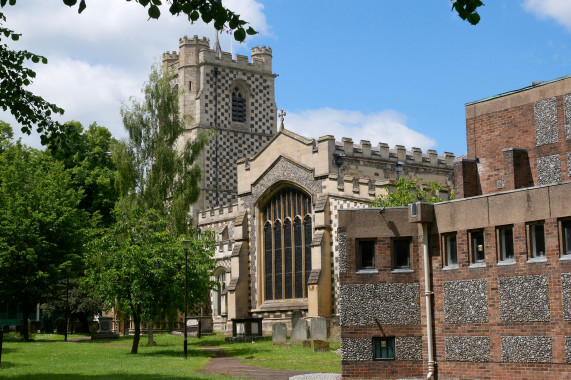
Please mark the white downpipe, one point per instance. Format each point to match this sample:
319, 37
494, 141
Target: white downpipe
428, 301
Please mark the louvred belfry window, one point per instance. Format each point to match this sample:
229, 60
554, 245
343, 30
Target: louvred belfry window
287, 244
238, 106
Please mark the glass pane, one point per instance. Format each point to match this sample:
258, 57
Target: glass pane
367, 254
298, 259
308, 236
567, 237
288, 260
507, 244
402, 253
452, 254
278, 260
268, 260
478, 246
538, 240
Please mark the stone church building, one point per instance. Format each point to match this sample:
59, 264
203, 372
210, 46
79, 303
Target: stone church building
273, 197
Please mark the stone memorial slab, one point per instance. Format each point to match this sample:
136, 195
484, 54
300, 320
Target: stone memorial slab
320, 345
299, 332
296, 315
334, 331
306, 344
279, 334
318, 328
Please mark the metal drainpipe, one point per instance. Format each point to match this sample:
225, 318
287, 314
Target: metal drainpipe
428, 300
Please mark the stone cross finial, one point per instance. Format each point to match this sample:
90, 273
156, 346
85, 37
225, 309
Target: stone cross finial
281, 116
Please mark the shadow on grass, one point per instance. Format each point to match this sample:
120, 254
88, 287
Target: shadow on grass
5, 365
177, 352
143, 376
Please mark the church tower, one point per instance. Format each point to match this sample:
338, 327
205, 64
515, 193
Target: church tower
233, 98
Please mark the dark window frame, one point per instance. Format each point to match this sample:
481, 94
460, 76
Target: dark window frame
449, 254
365, 244
505, 243
396, 245
565, 236
536, 243
390, 345
472, 236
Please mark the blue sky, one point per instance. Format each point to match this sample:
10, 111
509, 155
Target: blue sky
387, 71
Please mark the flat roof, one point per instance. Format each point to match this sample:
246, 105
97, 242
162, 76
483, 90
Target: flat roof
516, 91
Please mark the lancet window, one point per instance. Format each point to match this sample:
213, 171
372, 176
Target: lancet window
287, 244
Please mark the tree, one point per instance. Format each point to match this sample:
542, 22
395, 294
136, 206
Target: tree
137, 267
42, 230
407, 191
156, 168
468, 10
87, 155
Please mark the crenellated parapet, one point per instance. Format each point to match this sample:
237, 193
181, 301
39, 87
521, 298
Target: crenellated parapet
217, 214
382, 151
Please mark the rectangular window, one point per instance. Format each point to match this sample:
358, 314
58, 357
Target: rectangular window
477, 252
566, 236
366, 254
401, 250
189, 86
384, 348
506, 243
536, 233
450, 250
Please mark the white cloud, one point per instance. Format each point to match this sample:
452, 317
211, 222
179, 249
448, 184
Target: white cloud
386, 126
560, 10
102, 56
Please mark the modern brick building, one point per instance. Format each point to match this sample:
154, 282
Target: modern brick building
478, 287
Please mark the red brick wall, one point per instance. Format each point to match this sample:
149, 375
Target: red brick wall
488, 134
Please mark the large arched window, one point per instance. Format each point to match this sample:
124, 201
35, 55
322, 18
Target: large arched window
287, 244
220, 302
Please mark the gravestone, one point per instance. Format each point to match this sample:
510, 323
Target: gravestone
299, 332
48, 326
318, 328
6, 329
334, 330
61, 326
296, 315
320, 345
105, 329
306, 344
36, 326
279, 334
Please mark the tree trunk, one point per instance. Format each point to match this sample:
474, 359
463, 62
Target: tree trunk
25, 319
137, 337
151, 341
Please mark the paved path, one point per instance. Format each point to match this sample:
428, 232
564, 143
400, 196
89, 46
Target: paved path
223, 365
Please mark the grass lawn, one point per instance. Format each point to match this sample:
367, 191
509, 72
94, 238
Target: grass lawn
48, 357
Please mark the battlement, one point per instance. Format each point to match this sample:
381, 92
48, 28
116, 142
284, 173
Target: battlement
185, 41
256, 50
217, 214
190, 48
382, 151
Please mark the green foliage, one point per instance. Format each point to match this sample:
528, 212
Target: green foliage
407, 191
137, 266
155, 171
87, 155
42, 230
467, 10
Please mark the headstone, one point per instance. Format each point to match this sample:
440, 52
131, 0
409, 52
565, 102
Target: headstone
318, 328
306, 344
61, 326
6, 329
36, 326
296, 315
105, 329
320, 345
48, 326
334, 330
299, 332
279, 333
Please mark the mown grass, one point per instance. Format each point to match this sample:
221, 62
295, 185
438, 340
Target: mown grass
48, 357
